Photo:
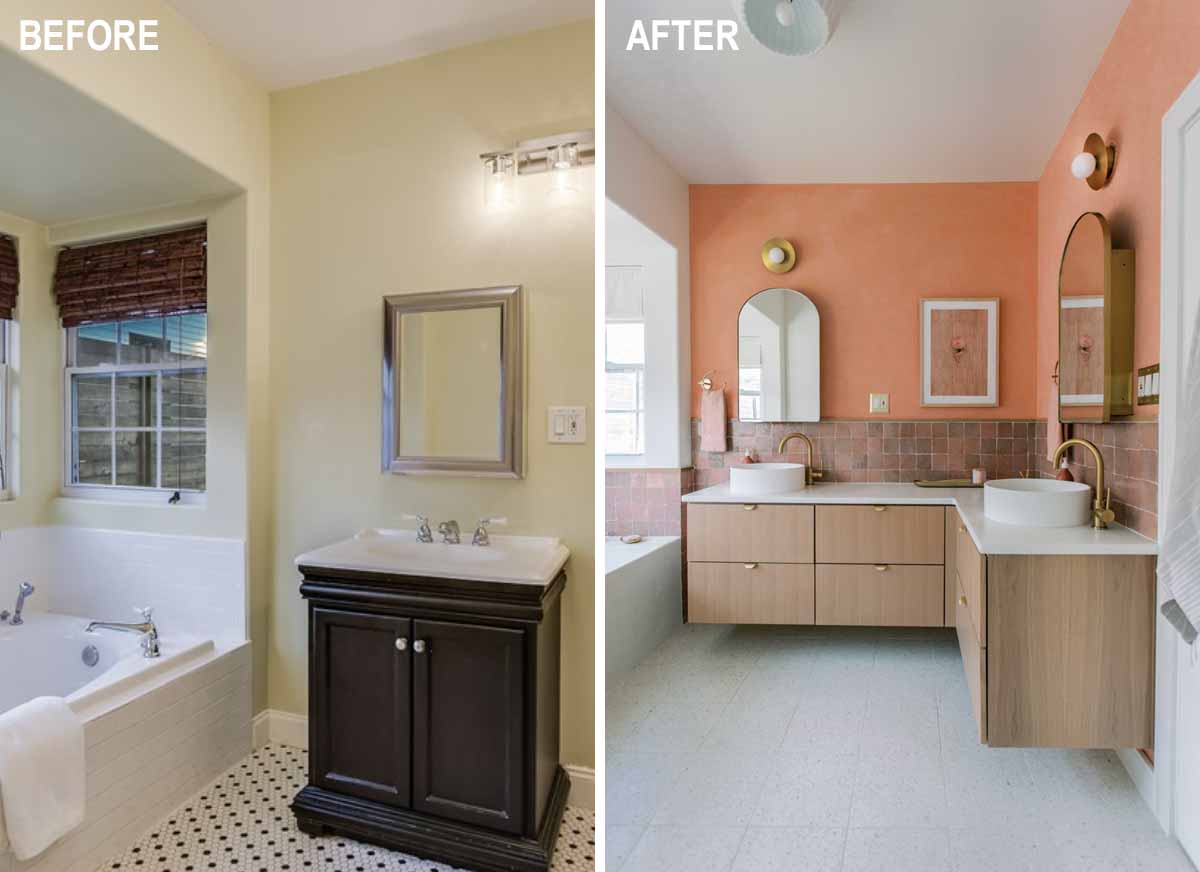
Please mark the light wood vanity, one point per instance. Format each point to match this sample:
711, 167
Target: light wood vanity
1058, 649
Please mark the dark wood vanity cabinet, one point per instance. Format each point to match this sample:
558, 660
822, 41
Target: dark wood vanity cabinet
433, 717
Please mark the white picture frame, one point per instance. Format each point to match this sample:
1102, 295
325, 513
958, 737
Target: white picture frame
931, 358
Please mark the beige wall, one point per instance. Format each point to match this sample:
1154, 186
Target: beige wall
377, 189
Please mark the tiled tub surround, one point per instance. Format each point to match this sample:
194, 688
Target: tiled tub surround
900, 451
156, 738
645, 501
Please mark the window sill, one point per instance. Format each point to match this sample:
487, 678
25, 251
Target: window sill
625, 461
153, 499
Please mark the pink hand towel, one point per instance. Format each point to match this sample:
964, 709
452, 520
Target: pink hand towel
712, 421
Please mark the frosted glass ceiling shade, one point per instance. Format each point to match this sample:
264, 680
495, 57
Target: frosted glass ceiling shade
789, 27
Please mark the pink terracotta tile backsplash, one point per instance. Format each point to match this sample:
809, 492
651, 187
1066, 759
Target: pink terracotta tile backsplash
648, 501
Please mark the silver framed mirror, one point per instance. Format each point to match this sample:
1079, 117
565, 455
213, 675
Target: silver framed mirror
453, 383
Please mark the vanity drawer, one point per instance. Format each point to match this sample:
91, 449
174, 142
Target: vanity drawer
971, 568
880, 534
749, 532
880, 596
750, 593
974, 657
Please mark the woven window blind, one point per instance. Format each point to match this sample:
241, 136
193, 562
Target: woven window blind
9, 277
145, 277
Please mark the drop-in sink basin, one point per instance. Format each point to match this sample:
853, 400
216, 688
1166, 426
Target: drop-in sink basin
526, 559
1038, 502
760, 479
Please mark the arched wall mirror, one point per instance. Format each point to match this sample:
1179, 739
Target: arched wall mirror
1095, 325
779, 358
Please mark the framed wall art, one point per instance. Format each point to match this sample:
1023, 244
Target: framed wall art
960, 352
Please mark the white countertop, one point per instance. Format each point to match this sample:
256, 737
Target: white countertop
991, 537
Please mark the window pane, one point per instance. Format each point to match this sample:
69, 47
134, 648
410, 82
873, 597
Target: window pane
95, 344
93, 400
187, 337
137, 461
136, 401
748, 408
625, 343
621, 390
183, 460
622, 433
184, 398
92, 458
750, 379
142, 341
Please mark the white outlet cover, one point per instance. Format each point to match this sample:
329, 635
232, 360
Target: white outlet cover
566, 424
880, 403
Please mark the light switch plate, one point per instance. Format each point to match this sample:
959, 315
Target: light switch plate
1147, 386
879, 404
566, 424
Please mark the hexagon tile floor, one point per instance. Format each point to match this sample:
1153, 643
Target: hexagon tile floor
242, 823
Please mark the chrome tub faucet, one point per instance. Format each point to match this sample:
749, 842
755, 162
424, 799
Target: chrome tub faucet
146, 627
424, 534
450, 533
481, 531
24, 591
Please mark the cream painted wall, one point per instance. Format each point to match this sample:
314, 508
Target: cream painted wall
193, 96
377, 189
35, 378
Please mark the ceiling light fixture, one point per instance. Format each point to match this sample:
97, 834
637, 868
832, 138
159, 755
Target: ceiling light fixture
1095, 163
790, 27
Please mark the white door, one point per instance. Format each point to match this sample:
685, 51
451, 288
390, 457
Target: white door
1180, 303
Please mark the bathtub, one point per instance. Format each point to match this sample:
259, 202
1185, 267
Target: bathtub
643, 599
157, 729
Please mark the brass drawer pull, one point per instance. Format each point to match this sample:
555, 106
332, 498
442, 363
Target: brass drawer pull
962, 601
749, 507
881, 567
880, 508
961, 528
750, 565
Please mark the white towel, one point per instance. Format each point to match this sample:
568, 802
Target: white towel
1179, 562
42, 774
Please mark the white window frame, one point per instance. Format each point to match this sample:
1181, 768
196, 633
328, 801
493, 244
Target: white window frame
120, 492
6, 483
639, 407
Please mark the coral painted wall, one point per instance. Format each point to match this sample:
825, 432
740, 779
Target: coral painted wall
866, 255
1152, 57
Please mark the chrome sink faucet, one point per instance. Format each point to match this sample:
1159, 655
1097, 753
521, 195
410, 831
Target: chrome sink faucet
481, 532
24, 591
146, 627
424, 534
450, 533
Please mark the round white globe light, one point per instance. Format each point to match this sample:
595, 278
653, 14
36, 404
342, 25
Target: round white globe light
789, 27
784, 13
1083, 165
777, 255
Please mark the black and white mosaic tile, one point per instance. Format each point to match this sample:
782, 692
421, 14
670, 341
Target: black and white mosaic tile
242, 823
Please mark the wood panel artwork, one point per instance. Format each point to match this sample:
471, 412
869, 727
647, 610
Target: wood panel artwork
959, 352
1081, 371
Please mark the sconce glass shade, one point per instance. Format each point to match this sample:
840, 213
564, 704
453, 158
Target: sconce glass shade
777, 255
790, 27
562, 159
500, 182
1083, 165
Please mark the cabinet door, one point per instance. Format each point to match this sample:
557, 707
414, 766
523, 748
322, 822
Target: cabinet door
469, 723
360, 686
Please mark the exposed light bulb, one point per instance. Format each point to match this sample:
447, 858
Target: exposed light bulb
1083, 165
499, 182
784, 13
777, 255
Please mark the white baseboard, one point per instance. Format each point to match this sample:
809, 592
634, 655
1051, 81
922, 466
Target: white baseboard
1142, 774
285, 728
583, 786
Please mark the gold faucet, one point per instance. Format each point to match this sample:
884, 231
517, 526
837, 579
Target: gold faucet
810, 474
1102, 515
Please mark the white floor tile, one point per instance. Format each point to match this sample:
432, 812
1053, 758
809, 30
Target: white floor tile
685, 849
788, 848
637, 782
809, 789
897, 850
619, 842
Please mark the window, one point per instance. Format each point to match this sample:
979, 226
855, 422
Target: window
137, 403
5, 415
750, 372
625, 387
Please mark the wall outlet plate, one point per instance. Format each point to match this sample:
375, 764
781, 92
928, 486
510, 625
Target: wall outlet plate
880, 404
566, 424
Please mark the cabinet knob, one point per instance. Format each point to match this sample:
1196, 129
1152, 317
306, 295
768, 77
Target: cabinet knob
880, 508
962, 601
402, 644
749, 507
419, 646
750, 565
881, 567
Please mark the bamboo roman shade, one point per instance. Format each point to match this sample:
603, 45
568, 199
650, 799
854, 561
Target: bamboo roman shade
9, 277
145, 277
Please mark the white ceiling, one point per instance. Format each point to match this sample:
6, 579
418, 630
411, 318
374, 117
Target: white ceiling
907, 91
66, 157
292, 42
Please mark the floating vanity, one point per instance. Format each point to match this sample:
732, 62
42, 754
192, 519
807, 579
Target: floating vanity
1055, 625
433, 697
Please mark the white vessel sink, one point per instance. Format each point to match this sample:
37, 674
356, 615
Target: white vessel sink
520, 559
1037, 502
759, 479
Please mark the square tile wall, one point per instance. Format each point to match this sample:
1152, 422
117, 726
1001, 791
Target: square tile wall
645, 501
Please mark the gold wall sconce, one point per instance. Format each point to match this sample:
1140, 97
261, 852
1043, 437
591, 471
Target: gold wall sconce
1095, 163
778, 255
560, 154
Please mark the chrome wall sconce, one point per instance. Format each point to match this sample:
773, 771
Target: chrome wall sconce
559, 154
1095, 163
